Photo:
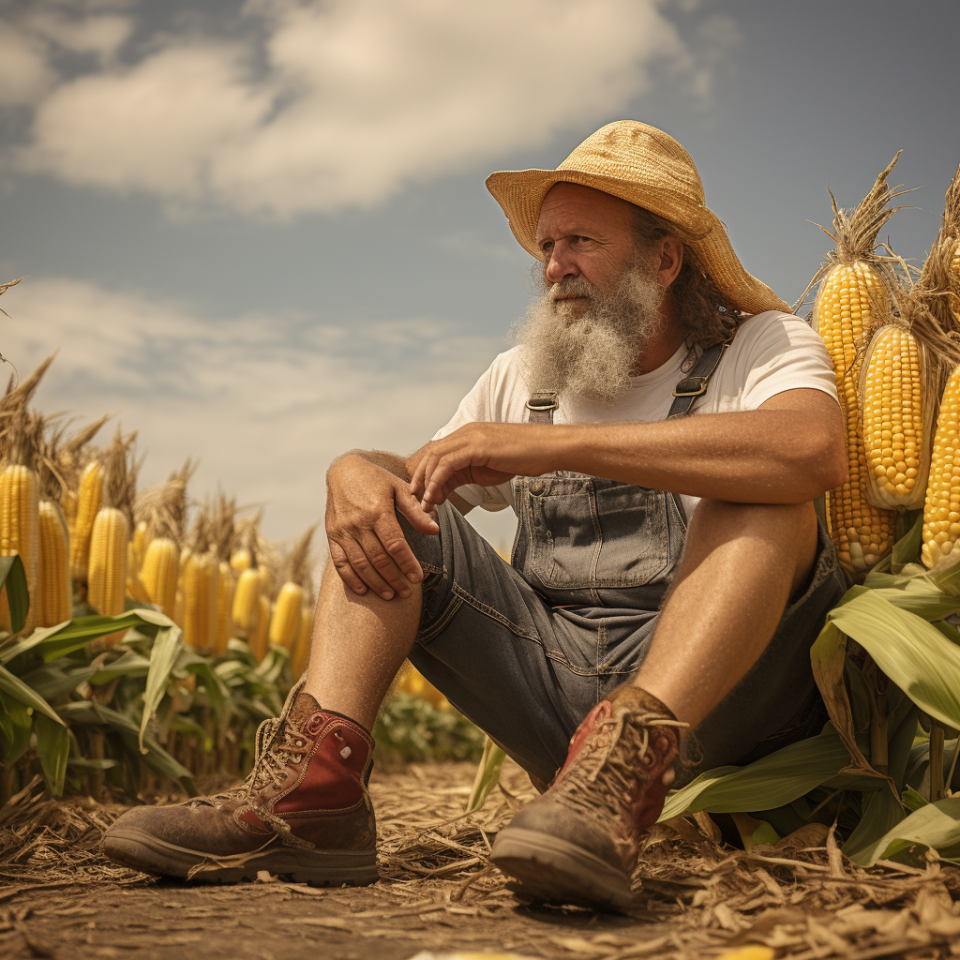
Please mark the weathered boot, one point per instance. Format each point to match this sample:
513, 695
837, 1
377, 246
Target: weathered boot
578, 843
303, 812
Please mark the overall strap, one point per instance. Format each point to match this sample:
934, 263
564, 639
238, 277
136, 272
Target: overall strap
541, 407
690, 388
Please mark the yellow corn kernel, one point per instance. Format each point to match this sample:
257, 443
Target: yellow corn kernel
862, 533
285, 622
56, 586
160, 571
20, 534
896, 421
246, 603
225, 593
260, 643
107, 570
941, 510
200, 580
301, 650
89, 501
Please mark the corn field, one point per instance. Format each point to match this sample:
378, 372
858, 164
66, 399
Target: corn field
147, 635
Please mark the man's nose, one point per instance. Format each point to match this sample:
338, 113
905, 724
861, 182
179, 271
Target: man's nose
559, 264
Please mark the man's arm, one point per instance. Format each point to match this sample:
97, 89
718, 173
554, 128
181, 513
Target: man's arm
790, 450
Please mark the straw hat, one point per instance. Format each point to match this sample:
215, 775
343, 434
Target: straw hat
647, 167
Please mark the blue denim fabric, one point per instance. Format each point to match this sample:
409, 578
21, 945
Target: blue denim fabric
525, 651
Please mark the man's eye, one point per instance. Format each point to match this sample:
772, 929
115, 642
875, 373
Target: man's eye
580, 239
546, 246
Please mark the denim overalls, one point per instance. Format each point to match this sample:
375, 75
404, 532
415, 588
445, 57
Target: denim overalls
526, 650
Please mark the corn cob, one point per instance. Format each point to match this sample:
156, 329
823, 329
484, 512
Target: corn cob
285, 622
240, 560
89, 501
20, 533
224, 607
301, 650
261, 641
141, 540
56, 590
853, 298
896, 419
246, 603
161, 569
200, 579
107, 570
941, 512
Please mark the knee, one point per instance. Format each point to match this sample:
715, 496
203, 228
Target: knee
792, 525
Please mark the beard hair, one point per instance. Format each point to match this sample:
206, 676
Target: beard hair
593, 355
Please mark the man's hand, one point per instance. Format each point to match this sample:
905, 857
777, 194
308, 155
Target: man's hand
367, 545
487, 454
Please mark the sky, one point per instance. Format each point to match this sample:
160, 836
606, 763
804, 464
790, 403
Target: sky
258, 232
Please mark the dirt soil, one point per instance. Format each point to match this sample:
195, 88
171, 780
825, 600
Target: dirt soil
695, 897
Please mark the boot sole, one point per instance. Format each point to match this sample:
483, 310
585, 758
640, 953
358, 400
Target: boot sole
548, 869
141, 851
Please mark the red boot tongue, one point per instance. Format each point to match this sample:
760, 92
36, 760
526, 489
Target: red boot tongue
304, 706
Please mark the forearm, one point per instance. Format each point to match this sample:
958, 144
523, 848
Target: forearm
764, 456
391, 462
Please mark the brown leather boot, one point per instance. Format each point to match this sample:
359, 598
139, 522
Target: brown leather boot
579, 842
303, 812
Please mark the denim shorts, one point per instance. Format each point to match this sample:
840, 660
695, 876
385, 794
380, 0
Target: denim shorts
526, 651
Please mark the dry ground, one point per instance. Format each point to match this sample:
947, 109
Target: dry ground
60, 898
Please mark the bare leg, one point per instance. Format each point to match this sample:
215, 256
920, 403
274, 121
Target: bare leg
358, 645
741, 565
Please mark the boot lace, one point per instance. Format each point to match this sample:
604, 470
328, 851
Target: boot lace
277, 745
612, 763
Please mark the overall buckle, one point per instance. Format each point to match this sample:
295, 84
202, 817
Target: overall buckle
691, 387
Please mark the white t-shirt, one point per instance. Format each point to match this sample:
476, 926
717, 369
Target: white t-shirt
771, 353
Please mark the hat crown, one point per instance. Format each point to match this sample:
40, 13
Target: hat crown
638, 153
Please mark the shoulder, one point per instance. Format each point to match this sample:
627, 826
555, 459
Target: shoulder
776, 336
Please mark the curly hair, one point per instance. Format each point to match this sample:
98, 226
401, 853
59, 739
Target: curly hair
701, 308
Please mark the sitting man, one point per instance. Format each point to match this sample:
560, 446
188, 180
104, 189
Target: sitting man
662, 431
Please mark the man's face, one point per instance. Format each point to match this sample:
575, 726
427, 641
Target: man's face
583, 232
601, 301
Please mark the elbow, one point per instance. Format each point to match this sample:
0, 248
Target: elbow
830, 466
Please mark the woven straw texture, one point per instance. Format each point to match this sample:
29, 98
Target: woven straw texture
646, 167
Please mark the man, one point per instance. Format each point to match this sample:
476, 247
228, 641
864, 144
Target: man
669, 573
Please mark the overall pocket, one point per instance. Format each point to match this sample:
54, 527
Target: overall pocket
590, 533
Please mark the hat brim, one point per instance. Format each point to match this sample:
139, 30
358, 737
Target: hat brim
520, 194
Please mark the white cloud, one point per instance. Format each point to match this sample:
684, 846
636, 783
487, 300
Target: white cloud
266, 403
340, 103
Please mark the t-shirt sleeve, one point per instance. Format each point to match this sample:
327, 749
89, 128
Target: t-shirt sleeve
783, 353
478, 407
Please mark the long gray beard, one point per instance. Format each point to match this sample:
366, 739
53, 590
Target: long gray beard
595, 355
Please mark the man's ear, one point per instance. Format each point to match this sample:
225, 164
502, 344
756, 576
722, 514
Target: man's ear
671, 260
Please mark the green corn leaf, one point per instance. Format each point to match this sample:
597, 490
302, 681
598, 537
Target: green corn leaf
935, 825
89, 713
913, 590
163, 656
488, 775
53, 642
13, 579
913, 800
770, 782
12, 686
53, 749
57, 679
907, 548
881, 812
16, 724
911, 652
129, 664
